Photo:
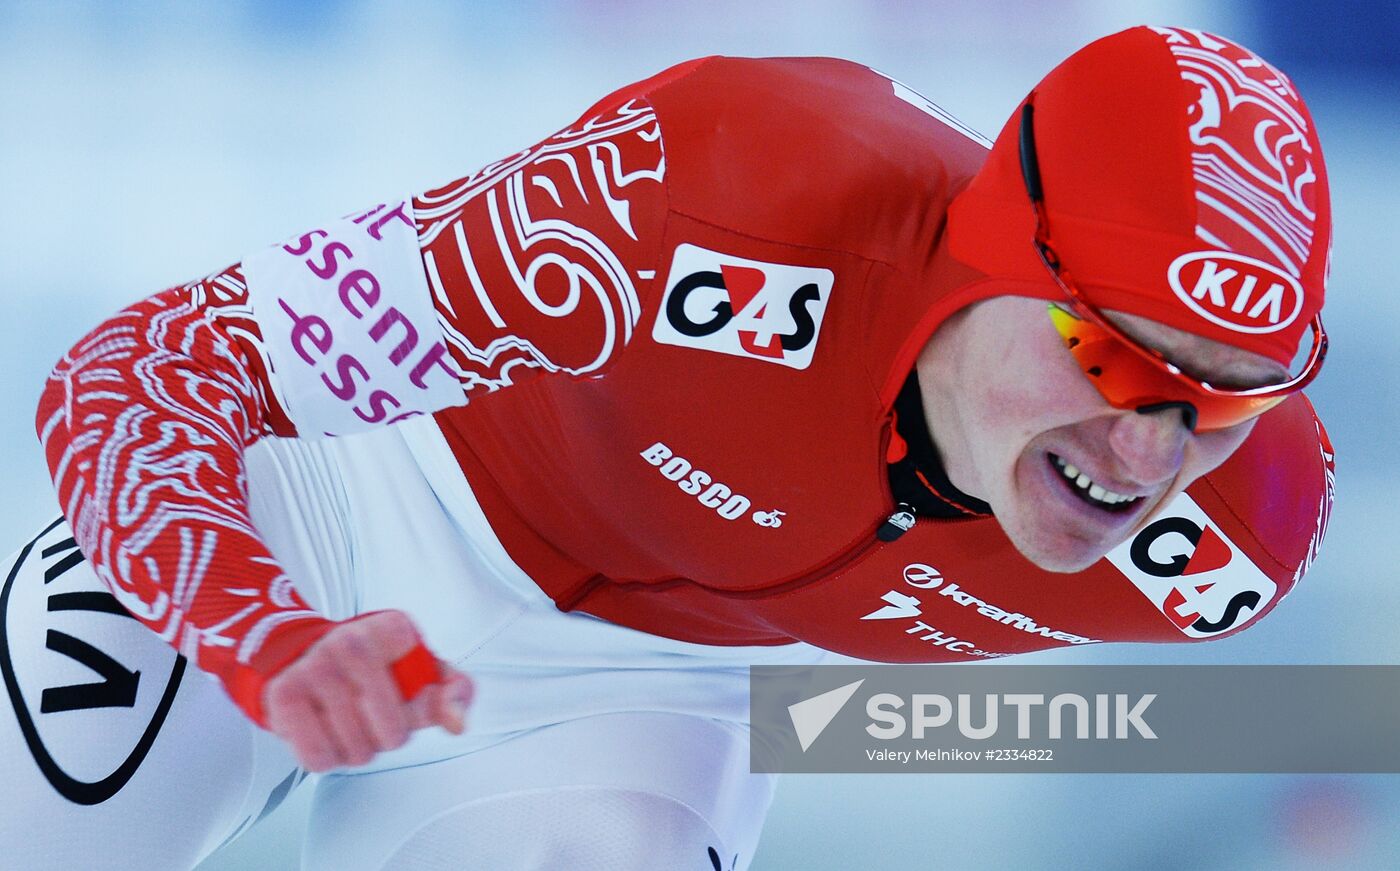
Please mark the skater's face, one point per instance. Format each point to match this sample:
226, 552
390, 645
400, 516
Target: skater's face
1015, 418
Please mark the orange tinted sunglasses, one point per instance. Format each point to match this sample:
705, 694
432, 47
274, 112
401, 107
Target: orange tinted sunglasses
1131, 375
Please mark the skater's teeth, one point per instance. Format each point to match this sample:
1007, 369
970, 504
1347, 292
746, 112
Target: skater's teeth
1088, 488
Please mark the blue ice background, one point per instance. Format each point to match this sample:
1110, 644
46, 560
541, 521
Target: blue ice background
145, 143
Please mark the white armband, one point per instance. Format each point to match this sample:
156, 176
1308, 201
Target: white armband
349, 324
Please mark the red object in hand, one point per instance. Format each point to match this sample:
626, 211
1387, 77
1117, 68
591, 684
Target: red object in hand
360, 688
415, 670
412, 672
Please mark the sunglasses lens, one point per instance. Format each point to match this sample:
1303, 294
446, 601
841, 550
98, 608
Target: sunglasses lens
1127, 380
1217, 413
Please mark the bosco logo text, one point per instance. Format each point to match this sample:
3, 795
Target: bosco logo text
1239, 293
710, 493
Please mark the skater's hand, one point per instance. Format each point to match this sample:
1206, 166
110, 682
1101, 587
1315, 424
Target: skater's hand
361, 689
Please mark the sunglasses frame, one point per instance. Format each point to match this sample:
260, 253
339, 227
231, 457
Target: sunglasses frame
1082, 308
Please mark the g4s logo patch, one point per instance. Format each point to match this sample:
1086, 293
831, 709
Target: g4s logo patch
747, 308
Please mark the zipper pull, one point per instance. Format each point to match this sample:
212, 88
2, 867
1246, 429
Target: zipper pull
898, 523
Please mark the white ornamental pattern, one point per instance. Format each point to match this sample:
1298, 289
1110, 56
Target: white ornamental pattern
532, 263
1325, 501
145, 423
1254, 164
551, 247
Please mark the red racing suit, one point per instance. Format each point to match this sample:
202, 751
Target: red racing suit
664, 344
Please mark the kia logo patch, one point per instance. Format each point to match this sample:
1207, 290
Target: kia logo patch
1238, 293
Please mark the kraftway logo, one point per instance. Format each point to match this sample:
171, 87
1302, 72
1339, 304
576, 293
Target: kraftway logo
925, 577
1238, 293
899, 605
747, 308
1192, 572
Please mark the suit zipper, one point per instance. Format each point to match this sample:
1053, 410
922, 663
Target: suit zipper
898, 523
885, 531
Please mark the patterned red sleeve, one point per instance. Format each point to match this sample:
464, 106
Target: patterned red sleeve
144, 425
530, 266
